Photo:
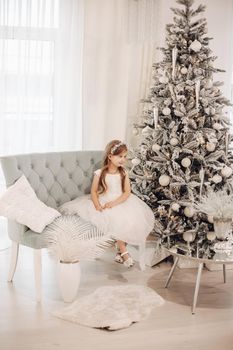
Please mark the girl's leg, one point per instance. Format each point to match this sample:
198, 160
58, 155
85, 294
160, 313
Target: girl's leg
128, 261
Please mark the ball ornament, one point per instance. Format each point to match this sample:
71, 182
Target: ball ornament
186, 162
164, 180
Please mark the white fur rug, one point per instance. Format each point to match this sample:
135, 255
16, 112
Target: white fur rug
112, 307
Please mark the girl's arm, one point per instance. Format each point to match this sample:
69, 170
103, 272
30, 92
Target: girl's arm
125, 195
94, 193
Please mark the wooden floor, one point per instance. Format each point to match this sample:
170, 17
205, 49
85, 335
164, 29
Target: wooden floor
26, 325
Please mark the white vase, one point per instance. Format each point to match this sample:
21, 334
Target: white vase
69, 280
222, 227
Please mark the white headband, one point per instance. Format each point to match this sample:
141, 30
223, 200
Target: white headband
114, 148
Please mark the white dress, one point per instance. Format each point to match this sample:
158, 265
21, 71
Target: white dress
131, 221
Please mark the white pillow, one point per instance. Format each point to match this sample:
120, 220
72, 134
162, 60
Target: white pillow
20, 203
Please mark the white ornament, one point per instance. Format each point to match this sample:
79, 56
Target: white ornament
146, 131
217, 179
209, 83
186, 162
156, 147
207, 110
166, 111
226, 171
160, 71
174, 141
164, 180
217, 126
136, 161
163, 80
212, 110
210, 146
197, 92
184, 70
156, 115
189, 212
195, 46
135, 131
201, 139
174, 57
211, 235
175, 206
188, 236
210, 219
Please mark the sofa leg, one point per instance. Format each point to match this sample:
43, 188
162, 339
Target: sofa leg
14, 260
37, 273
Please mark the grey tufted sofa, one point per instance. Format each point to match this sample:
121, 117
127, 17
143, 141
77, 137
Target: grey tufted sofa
56, 177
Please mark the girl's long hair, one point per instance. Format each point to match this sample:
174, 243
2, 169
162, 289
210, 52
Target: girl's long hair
111, 148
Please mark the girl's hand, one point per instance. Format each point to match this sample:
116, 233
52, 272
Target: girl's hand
99, 207
109, 205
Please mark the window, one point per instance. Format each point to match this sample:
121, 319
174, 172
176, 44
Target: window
28, 33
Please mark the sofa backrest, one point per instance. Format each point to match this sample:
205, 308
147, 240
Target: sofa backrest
56, 177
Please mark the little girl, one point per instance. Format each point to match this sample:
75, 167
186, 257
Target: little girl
112, 207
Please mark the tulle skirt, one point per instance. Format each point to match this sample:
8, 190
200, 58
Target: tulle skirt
130, 221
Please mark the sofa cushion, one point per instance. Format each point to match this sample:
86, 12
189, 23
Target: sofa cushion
20, 203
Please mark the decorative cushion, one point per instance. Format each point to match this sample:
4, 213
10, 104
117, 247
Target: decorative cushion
20, 203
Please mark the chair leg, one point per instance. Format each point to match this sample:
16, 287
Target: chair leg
37, 273
14, 260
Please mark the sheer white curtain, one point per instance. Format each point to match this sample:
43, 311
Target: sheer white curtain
40, 75
40, 78
119, 48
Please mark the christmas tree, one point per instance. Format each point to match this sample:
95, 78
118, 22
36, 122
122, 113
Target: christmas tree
184, 129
